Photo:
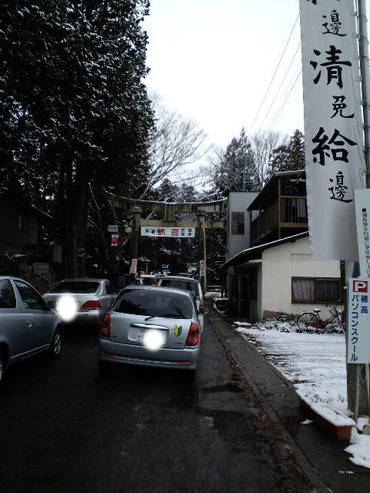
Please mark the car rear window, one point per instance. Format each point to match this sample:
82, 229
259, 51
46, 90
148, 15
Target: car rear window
154, 304
148, 280
181, 284
88, 287
7, 296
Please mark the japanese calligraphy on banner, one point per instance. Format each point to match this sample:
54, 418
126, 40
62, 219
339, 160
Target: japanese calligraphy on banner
358, 333
335, 159
168, 232
202, 268
133, 266
114, 240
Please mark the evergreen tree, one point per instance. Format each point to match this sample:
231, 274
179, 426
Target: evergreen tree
74, 110
235, 171
290, 156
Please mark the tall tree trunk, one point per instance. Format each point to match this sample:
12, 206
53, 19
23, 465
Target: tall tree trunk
73, 196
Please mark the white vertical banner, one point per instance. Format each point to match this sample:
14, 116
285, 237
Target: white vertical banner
362, 204
202, 268
334, 139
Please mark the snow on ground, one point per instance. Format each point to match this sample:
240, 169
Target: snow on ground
315, 363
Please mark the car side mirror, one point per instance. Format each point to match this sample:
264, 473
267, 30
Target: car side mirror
203, 311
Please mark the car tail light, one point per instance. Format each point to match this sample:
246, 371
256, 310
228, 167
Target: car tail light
105, 326
201, 305
91, 305
193, 336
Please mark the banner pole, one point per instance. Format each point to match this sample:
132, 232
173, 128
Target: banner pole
365, 80
364, 67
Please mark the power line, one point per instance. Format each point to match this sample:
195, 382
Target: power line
279, 111
276, 70
281, 84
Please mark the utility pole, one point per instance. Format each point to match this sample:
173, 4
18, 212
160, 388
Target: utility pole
365, 80
358, 375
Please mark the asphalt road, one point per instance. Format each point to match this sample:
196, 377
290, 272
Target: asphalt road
64, 428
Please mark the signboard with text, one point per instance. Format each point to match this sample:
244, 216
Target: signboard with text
172, 232
133, 268
333, 125
113, 228
362, 203
358, 330
202, 268
114, 240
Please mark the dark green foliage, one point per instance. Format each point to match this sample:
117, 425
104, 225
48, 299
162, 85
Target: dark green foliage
248, 164
289, 157
235, 171
74, 111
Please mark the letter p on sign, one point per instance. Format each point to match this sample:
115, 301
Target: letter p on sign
360, 286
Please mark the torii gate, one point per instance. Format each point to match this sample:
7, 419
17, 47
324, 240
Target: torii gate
169, 209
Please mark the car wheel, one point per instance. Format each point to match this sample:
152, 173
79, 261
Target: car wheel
56, 344
3, 360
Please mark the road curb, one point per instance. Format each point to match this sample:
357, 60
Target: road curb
227, 337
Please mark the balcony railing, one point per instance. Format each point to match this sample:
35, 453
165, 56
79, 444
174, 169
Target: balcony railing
293, 210
293, 215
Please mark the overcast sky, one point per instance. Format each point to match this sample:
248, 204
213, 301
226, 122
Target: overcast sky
228, 65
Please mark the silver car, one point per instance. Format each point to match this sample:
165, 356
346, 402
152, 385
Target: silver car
187, 284
151, 327
81, 301
27, 325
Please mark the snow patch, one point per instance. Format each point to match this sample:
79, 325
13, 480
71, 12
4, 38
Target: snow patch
315, 363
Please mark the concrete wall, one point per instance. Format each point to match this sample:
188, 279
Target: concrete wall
279, 265
238, 202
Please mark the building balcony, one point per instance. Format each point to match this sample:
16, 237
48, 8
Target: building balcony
286, 217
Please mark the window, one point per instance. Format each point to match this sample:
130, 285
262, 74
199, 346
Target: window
237, 223
316, 290
81, 287
7, 296
110, 288
31, 299
154, 304
22, 222
181, 284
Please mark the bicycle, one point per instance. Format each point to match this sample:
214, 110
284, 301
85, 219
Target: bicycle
312, 320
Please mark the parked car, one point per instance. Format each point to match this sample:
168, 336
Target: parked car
148, 279
151, 327
81, 301
186, 284
27, 325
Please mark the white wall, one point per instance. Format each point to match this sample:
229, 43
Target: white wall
279, 265
238, 202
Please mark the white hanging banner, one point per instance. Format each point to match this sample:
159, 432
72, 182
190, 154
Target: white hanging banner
334, 149
168, 232
362, 204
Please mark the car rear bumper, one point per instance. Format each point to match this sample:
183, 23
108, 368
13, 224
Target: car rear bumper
182, 359
92, 318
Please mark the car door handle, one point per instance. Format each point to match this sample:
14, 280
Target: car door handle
29, 323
